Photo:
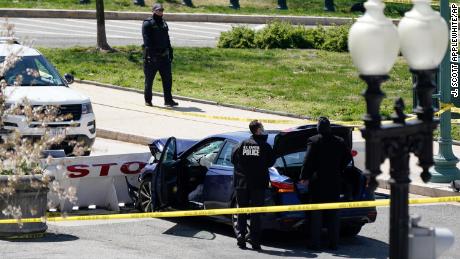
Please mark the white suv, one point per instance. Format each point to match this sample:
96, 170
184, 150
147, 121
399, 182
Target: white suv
46, 87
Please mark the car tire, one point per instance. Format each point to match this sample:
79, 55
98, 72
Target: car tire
350, 230
145, 202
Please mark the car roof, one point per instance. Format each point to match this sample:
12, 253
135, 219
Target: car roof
239, 136
20, 50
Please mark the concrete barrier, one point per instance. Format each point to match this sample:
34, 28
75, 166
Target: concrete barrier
99, 181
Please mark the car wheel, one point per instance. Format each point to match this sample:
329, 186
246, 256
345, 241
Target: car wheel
235, 221
350, 230
145, 202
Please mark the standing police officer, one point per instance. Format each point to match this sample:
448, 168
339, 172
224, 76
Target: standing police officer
251, 160
325, 160
158, 55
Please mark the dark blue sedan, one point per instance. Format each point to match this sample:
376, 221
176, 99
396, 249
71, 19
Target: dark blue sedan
188, 174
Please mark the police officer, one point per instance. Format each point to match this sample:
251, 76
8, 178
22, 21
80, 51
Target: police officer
234, 4
158, 55
251, 160
329, 6
325, 160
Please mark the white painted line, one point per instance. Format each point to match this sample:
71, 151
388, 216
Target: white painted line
108, 30
193, 31
194, 26
63, 24
70, 35
192, 35
28, 25
225, 25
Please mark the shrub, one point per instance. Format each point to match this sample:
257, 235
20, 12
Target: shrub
275, 35
300, 39
316, 36
239, 37
284, 35
336, 38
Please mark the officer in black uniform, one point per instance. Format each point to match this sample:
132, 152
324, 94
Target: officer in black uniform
329, 6
235, 4
325, 160
158, 55
251, 160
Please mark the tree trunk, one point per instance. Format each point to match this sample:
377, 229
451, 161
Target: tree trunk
101, 37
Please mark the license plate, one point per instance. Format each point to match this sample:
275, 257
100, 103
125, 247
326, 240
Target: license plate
55, 132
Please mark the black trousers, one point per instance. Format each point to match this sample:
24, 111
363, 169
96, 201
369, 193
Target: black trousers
249, 198
235, 3
331, 218
162, 65
329, 5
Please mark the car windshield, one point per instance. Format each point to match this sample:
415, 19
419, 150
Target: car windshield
31, 71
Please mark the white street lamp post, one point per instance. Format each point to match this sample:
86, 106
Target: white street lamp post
374, 46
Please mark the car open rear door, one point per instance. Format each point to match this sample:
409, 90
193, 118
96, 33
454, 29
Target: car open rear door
166, 177
295, 139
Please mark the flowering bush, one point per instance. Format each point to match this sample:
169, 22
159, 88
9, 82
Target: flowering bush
21, 156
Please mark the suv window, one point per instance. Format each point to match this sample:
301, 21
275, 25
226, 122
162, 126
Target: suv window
225, 157
32, 71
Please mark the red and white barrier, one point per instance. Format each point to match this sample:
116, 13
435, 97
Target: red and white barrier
98, 180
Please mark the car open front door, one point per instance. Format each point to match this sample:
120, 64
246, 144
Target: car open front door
166, 177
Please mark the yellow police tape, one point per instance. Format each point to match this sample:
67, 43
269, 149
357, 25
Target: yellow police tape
26, 236
434, 2
356, 124
214, 212
229, 118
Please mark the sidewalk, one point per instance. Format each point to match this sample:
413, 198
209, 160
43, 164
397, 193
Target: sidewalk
121, 115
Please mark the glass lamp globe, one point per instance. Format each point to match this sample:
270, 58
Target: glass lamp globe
373, 41
424, 36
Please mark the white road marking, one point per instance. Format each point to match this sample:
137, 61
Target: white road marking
194, 26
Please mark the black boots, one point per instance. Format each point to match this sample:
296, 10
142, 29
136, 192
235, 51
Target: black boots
282, 5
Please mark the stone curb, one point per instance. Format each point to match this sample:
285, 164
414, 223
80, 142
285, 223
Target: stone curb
173, 17
120, 136
421, 190
183, 98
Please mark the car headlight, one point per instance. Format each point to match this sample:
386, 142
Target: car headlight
86, 108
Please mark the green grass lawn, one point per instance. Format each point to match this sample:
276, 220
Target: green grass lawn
305, 82
296, 7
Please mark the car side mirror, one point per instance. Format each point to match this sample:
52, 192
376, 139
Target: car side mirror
69, 78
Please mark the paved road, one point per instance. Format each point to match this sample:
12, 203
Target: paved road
201, 238
72, 32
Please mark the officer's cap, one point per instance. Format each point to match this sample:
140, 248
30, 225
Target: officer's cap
157, 7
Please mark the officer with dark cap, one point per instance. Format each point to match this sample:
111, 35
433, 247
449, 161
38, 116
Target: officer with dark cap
251, 160
158, 55
325, 160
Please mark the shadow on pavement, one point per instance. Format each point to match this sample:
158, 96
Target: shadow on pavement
292, 244
184, 230
181, 109
47, 238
